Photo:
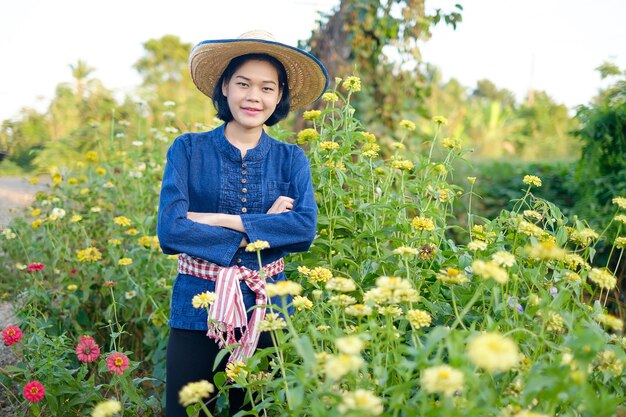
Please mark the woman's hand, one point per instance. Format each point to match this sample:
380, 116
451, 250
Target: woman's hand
210, 219
282, 204
229, 221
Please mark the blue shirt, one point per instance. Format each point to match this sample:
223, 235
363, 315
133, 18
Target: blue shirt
206, 173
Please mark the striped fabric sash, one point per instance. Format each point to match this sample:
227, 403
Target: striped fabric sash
228, 312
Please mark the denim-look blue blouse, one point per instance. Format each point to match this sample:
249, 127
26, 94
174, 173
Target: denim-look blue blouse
206, 173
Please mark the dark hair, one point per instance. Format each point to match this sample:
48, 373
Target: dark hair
221, 104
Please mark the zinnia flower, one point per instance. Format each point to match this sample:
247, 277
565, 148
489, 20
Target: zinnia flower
34, 391
87, 350
283, 288
106, 408
443, 379
493, 352
257, 246
35, 266
11, 335
603, 278
117, 363
203, 300
195, 392
532, 180
271, 322
302, 303
350, 345
361, 401
90, 254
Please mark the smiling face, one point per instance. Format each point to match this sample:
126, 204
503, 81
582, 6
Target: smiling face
252, 93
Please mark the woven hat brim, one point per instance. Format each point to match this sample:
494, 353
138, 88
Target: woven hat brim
306, 75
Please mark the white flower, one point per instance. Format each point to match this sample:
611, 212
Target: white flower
59, 213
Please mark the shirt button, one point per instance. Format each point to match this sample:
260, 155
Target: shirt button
238, 260
244, 199
244, 190
243, 165
244, 172
243, 180
244, 210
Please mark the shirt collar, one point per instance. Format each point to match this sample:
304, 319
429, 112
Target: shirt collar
231, 152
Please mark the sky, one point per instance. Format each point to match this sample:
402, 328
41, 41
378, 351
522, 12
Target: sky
550, 45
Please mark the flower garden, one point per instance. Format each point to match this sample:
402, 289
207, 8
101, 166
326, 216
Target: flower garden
402, 308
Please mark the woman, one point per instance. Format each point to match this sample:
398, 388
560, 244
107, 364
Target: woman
228, 187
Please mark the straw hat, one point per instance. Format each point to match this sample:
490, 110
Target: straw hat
306, 75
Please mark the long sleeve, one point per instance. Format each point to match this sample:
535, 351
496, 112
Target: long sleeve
176, 233
292, 231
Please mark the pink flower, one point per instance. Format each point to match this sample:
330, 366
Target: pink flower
34, 391
87, 350
110, 283
36, 266
117, 363
11, 335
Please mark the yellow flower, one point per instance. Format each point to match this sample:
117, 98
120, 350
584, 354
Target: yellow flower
358, 310
340, 284
131, 232
302, 303
391, 311
304, 270
115, 242
72, 181
419, 318
532, 180
283, 288
368, 137
398, 146
493, 352
101, 171
476, 245
76, 218
584, 237
407, 124
341, 300
320, 274
352, 83
84, 191
545, 250
328, 145
195, 392
36, 223
203, 300
35, 212
604, 278
33, 180
532, 214
330, 97
337, 366
442, 379
91, 156
440, 120
528, 413
125, 261
423, 223
272, 321
554, 322
307, 135
405, 251
490, 270
90, 254
236, 369
452, 276
611, 322
350, 345
620, 218
311, 115
620, 202
361, 402
503, 258
620, 242
257, 246
122, 221
471, 180
106, 408
57, 179
72, 287
529, 229
402, 164
8, 234
149, 242
451, 143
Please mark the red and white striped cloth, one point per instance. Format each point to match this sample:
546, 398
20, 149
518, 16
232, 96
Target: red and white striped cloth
228, 312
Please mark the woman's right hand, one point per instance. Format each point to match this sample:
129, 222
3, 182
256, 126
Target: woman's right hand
282, 204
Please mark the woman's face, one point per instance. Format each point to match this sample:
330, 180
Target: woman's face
253, 93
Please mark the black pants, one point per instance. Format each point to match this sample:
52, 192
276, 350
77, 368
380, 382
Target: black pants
190, 358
